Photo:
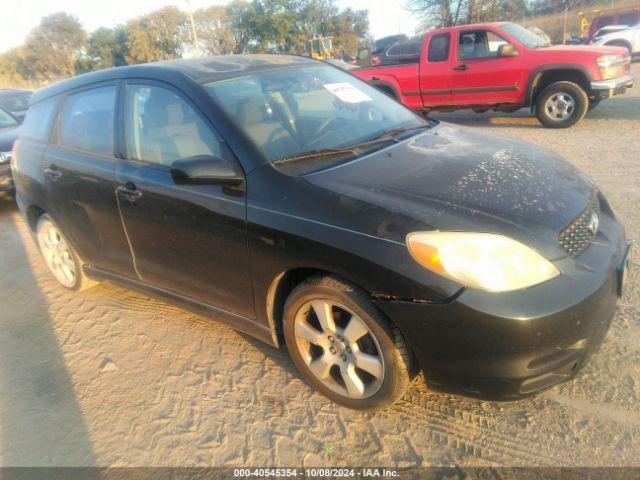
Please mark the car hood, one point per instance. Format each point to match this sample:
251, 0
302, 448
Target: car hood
596, 50
462, 179
7, 137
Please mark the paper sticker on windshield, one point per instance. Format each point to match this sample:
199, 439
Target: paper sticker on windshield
347, 92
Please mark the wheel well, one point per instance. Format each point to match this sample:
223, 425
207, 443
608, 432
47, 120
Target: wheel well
386, 89
544, 79
280, 289
619, 43
33, 213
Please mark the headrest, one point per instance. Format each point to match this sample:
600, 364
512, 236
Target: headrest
252, 110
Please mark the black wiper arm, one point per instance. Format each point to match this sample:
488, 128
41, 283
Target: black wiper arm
386, 136
390, 134
323, 152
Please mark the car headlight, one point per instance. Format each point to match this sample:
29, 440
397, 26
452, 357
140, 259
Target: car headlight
5, 157
612, 66
486, 261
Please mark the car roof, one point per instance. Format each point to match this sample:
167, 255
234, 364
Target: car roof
200, 70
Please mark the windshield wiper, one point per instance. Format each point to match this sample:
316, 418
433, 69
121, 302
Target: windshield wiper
384, 137
394, 132
322, 152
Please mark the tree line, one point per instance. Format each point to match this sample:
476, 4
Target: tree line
59, 47
447, 13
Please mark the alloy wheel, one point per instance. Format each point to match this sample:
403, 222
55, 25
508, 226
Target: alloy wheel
560, 106
339, 348
57, 254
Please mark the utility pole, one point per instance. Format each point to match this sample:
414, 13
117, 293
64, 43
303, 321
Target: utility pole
194, 33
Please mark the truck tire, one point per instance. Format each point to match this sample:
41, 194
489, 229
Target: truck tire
561, 105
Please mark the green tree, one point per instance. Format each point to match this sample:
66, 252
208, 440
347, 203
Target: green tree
106, 48
213, 25
159, 35
347, 28
13, 68
53, 49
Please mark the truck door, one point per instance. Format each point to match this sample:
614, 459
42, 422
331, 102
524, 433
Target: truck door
435, 71
480, 75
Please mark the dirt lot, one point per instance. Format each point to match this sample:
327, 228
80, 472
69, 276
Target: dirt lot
111, 377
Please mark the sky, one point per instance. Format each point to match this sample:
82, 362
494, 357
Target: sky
386, 17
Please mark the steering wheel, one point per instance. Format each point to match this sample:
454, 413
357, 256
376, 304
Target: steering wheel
330, 124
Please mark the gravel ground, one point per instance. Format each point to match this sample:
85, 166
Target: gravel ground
112, 377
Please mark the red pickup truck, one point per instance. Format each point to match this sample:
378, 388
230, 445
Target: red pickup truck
505, 67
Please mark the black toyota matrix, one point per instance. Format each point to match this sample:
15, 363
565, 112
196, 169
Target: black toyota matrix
294, 202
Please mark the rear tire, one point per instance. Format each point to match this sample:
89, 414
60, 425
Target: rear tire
561, 105
59, 255
344, 346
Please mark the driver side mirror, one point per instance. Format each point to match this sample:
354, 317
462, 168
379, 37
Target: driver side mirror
507, 50
205, 170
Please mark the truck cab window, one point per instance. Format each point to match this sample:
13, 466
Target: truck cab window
474, 44
439, 48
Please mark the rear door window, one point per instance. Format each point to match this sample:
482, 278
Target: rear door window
87, 120
439, 48
37, 123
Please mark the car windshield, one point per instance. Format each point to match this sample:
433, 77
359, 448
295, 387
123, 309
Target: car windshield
525, 36
7, 120
317, 114
15, 102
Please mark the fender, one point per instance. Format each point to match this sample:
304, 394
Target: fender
536, 74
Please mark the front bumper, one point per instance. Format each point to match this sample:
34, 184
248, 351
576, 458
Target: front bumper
611, 87
515, 344
6, 179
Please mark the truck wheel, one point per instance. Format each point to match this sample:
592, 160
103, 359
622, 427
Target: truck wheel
561, 105
344, 346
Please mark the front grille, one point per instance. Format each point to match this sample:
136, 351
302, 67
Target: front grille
577, 235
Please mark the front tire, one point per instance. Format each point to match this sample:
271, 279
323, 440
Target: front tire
344, 346
59, 256
561, 105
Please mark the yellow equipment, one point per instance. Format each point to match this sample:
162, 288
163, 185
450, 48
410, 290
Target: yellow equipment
320, 48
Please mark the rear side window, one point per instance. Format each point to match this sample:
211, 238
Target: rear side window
439, 48
87, 119
605, 22
629, 19
15, 102
162, 127
412, 48
37, 123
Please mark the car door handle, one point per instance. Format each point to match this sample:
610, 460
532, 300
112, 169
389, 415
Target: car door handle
461, 68
129, 191
52, 173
